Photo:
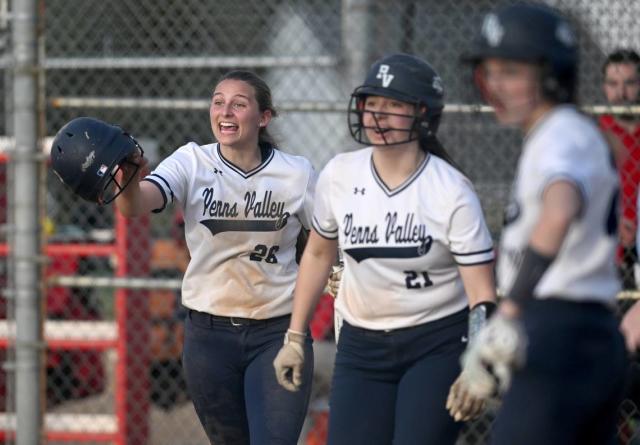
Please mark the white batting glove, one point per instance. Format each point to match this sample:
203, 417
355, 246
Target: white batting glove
489, 361
333, 284
289, 362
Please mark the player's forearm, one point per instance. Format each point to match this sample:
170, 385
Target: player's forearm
479, 283
139, 199
315, 266
561, 205
130, 200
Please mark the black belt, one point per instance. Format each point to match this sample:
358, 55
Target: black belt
203, 317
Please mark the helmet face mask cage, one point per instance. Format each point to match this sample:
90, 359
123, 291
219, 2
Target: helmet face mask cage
358, 129
405, 78
113, 188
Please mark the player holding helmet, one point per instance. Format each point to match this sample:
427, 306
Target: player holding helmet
245, 204
86, 155
417, 254
557, 327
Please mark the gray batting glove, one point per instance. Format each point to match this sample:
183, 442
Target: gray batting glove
290, 360
489, 361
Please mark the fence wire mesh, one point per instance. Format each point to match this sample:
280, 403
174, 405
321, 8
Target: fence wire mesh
150, 67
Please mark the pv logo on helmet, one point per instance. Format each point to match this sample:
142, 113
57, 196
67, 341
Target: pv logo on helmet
492, 29
437, 84
383, 74
565, 35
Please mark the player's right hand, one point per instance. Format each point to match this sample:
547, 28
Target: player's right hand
333, 285
289, 362
627, 232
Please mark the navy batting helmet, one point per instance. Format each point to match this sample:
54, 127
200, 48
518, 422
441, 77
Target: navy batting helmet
86, 154
408, 79
532, 32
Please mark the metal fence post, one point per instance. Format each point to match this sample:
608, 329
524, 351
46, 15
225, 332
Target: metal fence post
25, 239
356, 40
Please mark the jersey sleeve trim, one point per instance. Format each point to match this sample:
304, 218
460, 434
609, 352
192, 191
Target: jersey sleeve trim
153, 181
475, 264
332, 235
472, 258
490, 249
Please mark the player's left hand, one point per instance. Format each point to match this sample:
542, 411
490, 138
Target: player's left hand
289, 362
461, 404
489, 361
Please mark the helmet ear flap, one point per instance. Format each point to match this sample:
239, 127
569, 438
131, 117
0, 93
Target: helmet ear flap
554, 87
480, 81
429, 126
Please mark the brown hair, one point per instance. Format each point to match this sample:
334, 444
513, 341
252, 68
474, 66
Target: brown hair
622, 55
263, 97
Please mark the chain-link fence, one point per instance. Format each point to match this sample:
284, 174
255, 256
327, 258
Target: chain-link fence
114, 328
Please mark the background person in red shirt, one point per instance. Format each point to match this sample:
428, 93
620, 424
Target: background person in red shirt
621, 87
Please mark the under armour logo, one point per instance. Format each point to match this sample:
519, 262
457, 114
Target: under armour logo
356, 190
216, 171
383, 74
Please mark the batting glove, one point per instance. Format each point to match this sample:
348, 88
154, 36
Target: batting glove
290, 360
461, 404
489, 361
333, 285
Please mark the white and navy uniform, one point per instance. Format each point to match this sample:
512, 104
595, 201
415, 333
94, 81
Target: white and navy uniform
401, 247
571, 385
584, 268
241, 227
241, 230
401, 296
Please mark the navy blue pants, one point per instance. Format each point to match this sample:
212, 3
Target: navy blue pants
391, 387
231, 380
572, 384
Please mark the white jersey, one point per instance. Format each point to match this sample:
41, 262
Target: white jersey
565, 146
401, 247
241, 227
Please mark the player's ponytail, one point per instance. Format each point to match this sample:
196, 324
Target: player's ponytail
263, 97
430, 143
